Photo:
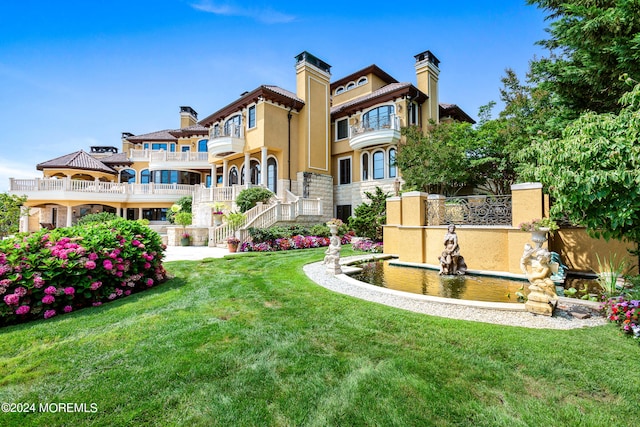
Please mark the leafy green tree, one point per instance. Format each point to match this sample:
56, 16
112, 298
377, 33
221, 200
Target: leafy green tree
368, 218
593, 171
249, 197
437, 162
10, 213
592, 43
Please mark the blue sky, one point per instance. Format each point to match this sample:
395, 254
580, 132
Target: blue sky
78, 73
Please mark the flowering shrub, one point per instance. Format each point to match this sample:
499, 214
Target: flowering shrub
51, 272
287, 243
625, 313
366, 245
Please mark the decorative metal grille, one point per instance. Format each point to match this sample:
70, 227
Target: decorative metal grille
469, 210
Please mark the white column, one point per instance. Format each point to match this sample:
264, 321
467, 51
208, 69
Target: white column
225, 173
139, 213
24, 218
247, 170
263, 167
69, 216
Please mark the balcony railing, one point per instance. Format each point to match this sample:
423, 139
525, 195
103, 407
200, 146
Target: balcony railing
168, 156
228, 140
230, 131
184, 156
384, 130
74, 185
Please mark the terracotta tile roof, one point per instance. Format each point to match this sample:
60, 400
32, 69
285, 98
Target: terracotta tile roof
269, 92
455, 112
371, 69
283, 92
196, 129
116, 159
79, 160
383, 94
161, 135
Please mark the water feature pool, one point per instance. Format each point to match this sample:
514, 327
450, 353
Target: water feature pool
428, 282
469, 287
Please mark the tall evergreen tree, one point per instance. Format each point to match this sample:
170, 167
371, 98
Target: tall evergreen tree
593, 44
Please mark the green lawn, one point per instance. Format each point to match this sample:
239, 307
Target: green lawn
249, 340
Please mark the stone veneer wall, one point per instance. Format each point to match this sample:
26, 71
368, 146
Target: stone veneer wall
320, 187
353, 194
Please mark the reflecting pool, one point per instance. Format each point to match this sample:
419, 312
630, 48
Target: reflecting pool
429, 282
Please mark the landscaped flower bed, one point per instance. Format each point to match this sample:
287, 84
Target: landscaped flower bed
287, 243
625, 313
296, 236
51, 272
366, 245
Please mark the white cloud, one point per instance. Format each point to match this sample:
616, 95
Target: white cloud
264, 15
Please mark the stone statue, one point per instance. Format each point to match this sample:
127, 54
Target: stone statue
451, 262
542, 297
332, 255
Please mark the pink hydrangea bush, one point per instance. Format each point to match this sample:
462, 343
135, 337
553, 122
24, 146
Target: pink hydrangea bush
52, 272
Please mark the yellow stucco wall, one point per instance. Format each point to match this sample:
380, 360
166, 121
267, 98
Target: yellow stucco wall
580, 252
527, 203
413, 208
492, 248
410, 245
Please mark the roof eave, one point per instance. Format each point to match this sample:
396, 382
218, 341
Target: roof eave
248, 99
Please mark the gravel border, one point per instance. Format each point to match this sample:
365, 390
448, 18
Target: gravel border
564, 315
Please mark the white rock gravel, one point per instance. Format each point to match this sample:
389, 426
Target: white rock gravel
454, 309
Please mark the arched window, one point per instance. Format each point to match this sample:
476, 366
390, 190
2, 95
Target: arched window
128, 175
351, 85
363, 80
254, 173
202, 145
233, 125
233, 176
392, 163
272, 175
378, 165
340, 90
365, 166
145, 176
378, 118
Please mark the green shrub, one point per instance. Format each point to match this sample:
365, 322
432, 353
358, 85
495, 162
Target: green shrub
369, 218
97, 217
183, 204
183, 218
52, 272
320, 230
249, 197
259, 235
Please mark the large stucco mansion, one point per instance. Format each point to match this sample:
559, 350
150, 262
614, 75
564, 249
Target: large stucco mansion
318, 149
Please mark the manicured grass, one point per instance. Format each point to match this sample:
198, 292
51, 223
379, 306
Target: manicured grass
249, 340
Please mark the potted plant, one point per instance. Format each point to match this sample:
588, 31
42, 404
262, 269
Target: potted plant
232, 243
184, 219
217, 211
235, 221
333, 225
539, 229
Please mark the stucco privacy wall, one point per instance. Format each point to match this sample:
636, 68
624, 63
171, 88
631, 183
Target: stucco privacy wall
491, 248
